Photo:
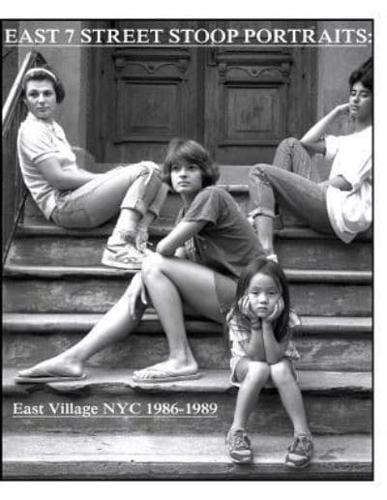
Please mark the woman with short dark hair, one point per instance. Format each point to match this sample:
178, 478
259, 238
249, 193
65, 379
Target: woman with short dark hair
342, 205
195, 269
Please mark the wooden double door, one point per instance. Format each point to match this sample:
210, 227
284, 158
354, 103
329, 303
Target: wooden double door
239, 101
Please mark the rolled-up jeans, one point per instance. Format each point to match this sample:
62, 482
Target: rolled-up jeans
138, 187
292, 183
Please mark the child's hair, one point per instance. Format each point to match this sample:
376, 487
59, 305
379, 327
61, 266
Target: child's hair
41, 73
272, 269
189, 151
364, 74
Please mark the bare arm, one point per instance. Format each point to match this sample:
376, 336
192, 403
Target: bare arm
274, 350
60, 179
178, 236
312, 139
255, 349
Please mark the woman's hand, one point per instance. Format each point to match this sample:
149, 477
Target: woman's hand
136, 291
342, 109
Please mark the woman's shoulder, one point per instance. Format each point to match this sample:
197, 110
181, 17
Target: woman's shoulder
217, 192
32, 128
210, 192
213, 189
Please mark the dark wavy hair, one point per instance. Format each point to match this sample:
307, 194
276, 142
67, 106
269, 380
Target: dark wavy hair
189, 151
272, 269
41, 73
364, 74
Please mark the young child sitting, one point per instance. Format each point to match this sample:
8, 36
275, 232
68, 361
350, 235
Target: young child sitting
260, 326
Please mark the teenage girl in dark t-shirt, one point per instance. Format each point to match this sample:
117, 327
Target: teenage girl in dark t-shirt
194, 268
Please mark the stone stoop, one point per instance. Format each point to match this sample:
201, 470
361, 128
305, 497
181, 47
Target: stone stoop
192, 457
55, 290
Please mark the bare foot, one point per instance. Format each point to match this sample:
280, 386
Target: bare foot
57, 366
169, 369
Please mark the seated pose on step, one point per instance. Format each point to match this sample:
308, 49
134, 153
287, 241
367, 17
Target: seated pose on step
342, 205
73, 197
195, 268
260, 329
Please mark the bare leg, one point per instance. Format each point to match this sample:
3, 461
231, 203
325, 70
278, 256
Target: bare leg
254, 375
290, 393
172, 282
113, 326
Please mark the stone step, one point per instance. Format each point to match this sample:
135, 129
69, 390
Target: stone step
238, 189
80, 289
162, 228
169, 210
202, 405
303, 249
151, 457
323, 343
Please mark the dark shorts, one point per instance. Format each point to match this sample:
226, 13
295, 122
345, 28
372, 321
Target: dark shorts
225, 291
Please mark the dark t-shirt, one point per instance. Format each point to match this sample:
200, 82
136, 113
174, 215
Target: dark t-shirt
227, 243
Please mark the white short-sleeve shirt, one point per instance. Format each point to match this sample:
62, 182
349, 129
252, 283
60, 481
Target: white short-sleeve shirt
350, 212
38, 140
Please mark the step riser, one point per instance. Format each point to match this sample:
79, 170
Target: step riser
327, 413
97, 295
121, 470
299, 254
352, 353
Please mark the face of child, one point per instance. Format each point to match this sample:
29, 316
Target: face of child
360, 102
41, 99
263, 294
186, 178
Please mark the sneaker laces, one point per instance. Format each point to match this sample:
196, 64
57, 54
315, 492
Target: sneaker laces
240, 439
301, 443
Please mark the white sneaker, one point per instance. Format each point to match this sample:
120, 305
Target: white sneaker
145, 250
123, 256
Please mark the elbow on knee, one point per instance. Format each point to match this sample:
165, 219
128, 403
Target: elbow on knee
289, 142
258, 172
151, 166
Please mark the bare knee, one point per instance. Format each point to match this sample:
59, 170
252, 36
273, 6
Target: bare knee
281, 372
258, 371
258, 172
150, 167
151, 264
289, 142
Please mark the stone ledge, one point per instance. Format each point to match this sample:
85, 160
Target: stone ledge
18, 271
106, 380
81, 323
148, 456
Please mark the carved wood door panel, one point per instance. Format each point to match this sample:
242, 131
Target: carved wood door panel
145, 97
239, 101
256, 96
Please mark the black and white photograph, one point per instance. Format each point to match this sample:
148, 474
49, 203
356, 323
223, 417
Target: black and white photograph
187, 241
